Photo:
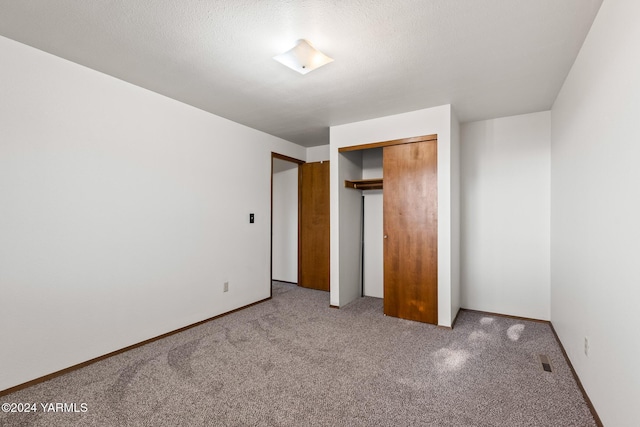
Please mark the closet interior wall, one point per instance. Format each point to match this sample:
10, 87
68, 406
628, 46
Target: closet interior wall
372, 256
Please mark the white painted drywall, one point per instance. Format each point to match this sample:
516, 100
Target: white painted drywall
505, 215
350, 230
428, 121
123, 212
319, 153
595, 213
372, 164
455, 189
285, 221
373, 257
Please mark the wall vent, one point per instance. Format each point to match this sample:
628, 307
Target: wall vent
546, 362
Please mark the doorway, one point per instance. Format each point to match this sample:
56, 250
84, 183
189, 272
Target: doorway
284, 218
300, 222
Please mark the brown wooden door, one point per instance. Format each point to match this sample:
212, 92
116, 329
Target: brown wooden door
410, 209
313, 253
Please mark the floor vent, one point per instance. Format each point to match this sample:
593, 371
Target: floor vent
546, 363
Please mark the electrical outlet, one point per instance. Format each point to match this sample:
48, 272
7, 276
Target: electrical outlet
226, 287
586, 346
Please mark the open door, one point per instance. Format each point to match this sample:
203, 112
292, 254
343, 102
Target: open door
313, 253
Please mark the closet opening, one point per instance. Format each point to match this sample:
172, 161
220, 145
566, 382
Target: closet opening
390, 196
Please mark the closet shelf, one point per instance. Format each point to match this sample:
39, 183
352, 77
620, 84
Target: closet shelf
364, 184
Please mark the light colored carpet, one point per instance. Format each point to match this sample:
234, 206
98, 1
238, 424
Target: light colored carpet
293, 361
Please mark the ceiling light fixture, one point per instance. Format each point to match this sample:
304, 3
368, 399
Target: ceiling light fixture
303, 57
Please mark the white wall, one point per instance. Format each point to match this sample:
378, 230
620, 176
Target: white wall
372, 164
123, 212
595, 211
349, 228
373, 257
455, 190
429, 121
285, 221
318, 154
505, 215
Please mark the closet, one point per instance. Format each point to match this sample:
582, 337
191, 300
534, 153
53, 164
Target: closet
410, 218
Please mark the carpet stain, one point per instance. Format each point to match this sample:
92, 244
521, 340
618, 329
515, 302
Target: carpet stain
515, 331
450, 360
213, 388
261, 330
179, 357
487, 320
234, 338
478, 336
267, 366
118, 390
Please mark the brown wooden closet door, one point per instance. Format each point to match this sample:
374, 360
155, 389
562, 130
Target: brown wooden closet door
410, 209
313, 253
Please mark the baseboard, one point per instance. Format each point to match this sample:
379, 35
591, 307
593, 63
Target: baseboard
594, 413
284, 281
508, 316
116, 352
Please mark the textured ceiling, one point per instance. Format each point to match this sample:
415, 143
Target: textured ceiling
488, 58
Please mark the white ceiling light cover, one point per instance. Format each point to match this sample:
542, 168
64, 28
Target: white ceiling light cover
303, 57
